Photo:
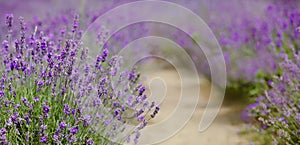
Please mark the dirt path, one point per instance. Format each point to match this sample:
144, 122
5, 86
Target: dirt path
223, 131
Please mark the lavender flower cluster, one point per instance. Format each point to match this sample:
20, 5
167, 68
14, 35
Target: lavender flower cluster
45, 99
277, 110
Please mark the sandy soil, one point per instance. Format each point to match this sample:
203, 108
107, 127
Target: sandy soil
223, 131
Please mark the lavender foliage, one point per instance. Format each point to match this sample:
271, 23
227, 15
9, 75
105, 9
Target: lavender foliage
43, 99
277, 110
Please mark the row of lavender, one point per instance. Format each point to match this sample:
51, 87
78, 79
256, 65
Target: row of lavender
263, 50
45, 99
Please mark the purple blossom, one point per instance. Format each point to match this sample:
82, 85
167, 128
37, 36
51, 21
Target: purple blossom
40, 83
67, 109
90, 142
137, 136
142, 90
36, 99
107, 121
14, 118
157, 108
46, 109
55, 137
141, 118
9, 20
104, 54
119, 117
43, 127
73, 111
74, 130
44, 139
87, 121
17, 106
9, 122
72, 139
3, 131
25, 101
62, 125
1, 94
26, 117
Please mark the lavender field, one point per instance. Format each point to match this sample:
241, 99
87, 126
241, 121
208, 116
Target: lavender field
207, 72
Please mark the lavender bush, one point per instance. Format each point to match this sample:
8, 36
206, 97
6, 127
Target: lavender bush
44, 99
277, 110
262, 54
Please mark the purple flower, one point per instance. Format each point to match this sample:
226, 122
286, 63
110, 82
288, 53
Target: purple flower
141, 118
9, 122
26, 117
117, 111
46, 109
87, 121
43, 127
36, 99
1, 93
143, 124
76, 23
72, 139
157, 108
25, 101
137, 136
9, 20
119, 117
55, 137
132, 76
17, 106
62, 125
67, 109
253, 105
90, 142
44, 139
104, 55
107, 121
3, 131
142, 90
74, 130
40, 83
73, 111
14, 118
